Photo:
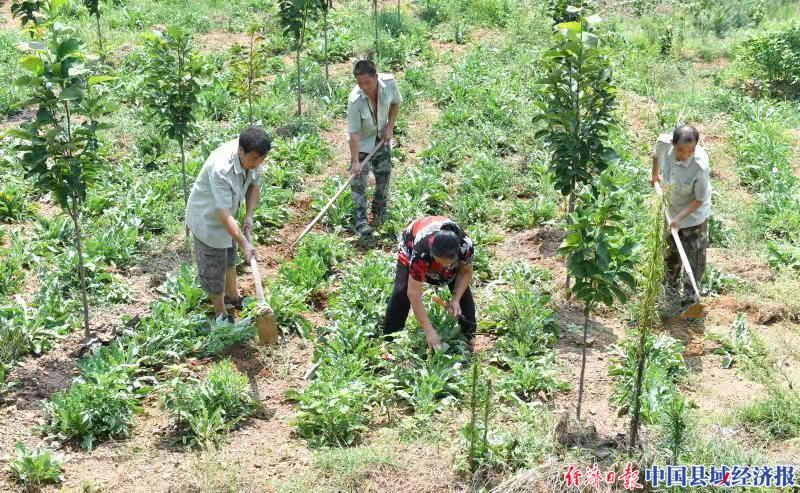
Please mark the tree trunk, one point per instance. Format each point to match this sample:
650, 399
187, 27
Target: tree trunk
399, 21
325, 33
81, 270
583, 358
375, 15
299, 86
570, 210
183, 172
99, 36
637, 390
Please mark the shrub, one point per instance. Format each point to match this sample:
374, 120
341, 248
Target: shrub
664, 367
35, 468
206, 410
335, 408
14, 205
772, 55
309, 153
91, 411
527, 214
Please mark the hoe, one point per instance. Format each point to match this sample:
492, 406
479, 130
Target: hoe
695, 310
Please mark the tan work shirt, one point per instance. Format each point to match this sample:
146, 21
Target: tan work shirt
221, 184
361, 117
687, 180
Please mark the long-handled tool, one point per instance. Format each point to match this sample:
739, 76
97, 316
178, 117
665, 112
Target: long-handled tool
695, 310
346, 184
266, 323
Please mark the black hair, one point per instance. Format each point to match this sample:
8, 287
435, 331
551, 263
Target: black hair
365, 67
255, 139
685, 134
447, 242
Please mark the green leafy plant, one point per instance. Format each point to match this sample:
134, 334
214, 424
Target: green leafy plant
27, 11
476, 431
11, 263
60, 147
600, 255
172, 85
335, 408
646, 310
249, 65
663, 368
14, 205
35, 468
294, 16
93, 6
93, 410
205, 410
772, 54
429, 385
576, 107
528, 214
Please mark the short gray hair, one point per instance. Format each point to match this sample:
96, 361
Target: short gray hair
685, 134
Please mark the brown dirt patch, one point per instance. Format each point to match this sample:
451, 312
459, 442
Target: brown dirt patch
218, 40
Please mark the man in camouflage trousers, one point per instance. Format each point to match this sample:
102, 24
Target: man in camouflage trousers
372, 109
684, 167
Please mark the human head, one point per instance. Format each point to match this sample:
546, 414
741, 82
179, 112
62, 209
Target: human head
366, 75
254, 144
684, 140
445, 247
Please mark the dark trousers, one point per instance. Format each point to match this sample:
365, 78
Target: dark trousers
399, 306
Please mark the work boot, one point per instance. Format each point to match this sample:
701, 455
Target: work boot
225, 317
364, 230
378, 217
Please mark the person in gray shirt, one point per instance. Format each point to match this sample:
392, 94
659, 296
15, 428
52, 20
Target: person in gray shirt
682, 165
230, 175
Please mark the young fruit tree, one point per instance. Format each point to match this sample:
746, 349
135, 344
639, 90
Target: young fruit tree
294, 15
60, 147
172, 85
325, 6
249, 67
576, 108
599, 254
27, 11
93, 6
646, 309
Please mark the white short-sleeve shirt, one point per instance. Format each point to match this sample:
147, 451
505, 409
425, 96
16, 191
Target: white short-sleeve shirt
221, 184
686, 181
361, 118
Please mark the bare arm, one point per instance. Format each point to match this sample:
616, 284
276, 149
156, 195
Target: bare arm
693, 206
251, 198
655, 172
230, 225
420, 313
355, 140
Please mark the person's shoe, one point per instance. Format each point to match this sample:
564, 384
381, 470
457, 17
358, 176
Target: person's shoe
226, 317
234, 302
378, 218
364, 230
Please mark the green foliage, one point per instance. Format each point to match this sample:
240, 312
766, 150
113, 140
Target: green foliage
250, 68
171, 86
773, 55
335, 408
308, 152
14, 205
429, 385
780, 255
11, 262
528, 214
364, 291
205, 410
676, 427
776, 413
528, 377
570, 10
222, 335
93, 410
340, 213
577, 106
664, 367
600, 253
294, 15
476, 431
27, 11
172, 81
35, 468
416, 193
525, 324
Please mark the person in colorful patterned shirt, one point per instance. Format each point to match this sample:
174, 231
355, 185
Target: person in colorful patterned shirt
433, 250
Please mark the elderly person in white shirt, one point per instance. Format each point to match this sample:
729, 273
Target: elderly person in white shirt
683, 166
372, 109
230, 175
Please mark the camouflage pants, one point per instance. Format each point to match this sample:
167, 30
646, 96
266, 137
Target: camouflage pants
381, 166
695, 241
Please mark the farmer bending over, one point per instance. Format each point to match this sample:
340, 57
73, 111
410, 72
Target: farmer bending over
435, 250
371, 113
683, 166
230, 174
